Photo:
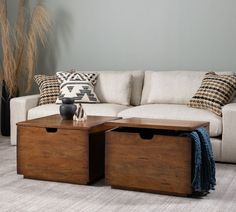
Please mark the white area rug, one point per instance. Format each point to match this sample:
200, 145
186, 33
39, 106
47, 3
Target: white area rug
18, 194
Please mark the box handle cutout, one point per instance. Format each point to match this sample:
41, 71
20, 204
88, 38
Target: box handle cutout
51, 130
146, 135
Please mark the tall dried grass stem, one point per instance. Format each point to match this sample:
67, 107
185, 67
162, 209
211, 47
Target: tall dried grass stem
20, 45
8, 62
39, 26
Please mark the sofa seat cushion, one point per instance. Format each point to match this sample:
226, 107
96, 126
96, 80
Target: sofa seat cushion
177, 112
102, 109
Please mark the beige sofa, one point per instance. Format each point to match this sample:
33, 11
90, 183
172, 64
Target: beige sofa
145, 94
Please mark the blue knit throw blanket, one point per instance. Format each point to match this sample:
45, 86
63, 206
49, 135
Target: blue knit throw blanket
203, 162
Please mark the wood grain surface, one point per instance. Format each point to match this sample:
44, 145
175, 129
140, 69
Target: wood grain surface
160, 164
158, 124
52, 149
149, 155
92, 123
60, 156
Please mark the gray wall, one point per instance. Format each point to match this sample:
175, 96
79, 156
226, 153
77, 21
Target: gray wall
141, 34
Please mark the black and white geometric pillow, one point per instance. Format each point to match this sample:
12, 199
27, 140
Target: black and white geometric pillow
48, 87
77, 85
73, 75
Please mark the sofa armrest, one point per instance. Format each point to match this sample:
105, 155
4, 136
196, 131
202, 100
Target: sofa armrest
228, 153
19, 107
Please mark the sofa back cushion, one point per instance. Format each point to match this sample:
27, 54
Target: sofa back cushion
234, 100
120, 87
137, 87
173, 87
114, 87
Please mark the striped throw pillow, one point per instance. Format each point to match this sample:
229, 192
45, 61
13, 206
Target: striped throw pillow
48, 87
214, 92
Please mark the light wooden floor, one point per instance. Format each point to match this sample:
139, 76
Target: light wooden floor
18, 194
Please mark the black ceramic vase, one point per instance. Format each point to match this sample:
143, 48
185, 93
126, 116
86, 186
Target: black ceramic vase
67, 108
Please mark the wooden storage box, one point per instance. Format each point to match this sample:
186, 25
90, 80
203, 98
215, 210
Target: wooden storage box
56, 150
154, 160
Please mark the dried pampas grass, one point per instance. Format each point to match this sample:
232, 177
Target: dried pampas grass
19, 45
39, 25
8, 61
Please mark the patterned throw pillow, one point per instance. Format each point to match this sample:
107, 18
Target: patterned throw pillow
48, 87
214, 92
77, 85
